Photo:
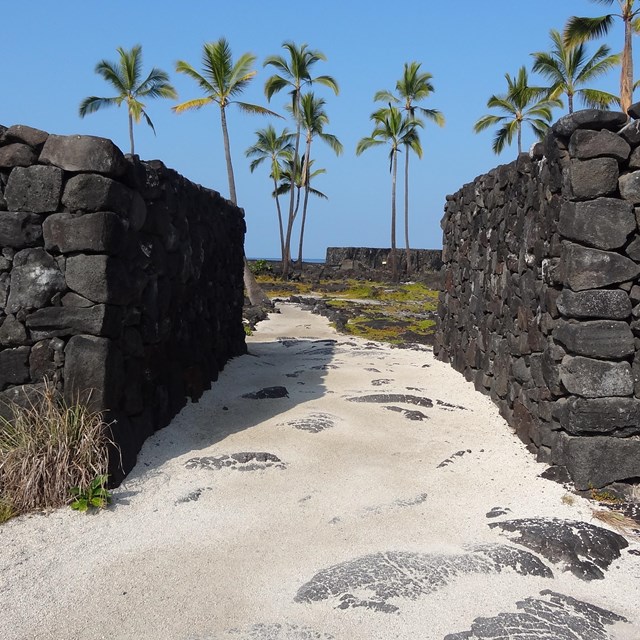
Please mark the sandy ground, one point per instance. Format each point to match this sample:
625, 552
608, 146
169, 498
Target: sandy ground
360, 523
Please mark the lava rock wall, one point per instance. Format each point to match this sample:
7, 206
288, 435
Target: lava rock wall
351, 257
540, 302
120, 281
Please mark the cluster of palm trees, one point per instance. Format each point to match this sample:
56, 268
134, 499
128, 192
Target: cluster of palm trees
568, 68
397, 125
221, 82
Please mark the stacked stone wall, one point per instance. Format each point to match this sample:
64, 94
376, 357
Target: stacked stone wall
540, 302
423, 260
120, 281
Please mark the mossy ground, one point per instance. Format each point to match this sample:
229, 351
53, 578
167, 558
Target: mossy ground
396, 313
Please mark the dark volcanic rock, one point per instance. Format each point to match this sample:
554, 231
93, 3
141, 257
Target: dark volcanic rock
593, 178
600, 460
596, 378
17, 155
20, 230
587, 268
580, 416
14, 366
595, 119
597, 303
36, 189
91, 192
581, 548
99, 278
98, 320
84, 153
552, 617
27, 135
314, 422
603, 223
407, 575
608, 339
244, 461
630, 186
267, 392
102, 232
387, 398
585, 145
35, 278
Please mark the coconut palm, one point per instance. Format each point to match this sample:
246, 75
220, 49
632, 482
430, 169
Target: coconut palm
312, 117
294, 74
522, 103
581, 29
273, 147
221, 81
568, 67
125, 76
413, 87
396, 130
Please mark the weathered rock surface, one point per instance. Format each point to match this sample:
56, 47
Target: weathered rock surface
607, 339
596, 378
101, 232
598, 303
603, 223
587, 144
586, 416
35, 189
20, 230
594, 178
581, 548
587, 268
84, 153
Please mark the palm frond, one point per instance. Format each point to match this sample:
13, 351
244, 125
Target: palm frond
594, 99
196, 103
93, 104
256, 109
581, 29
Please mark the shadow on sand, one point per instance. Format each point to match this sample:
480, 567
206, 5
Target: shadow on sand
292, 368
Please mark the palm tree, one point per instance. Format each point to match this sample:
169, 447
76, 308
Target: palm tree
581, 29
125, 77
313, 118
413, 87
521, 103
294, 73
291, 174
274, 147
221, 81
390, 127
568, 68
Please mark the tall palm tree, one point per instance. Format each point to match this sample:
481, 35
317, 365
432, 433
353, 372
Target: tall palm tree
413, 87
392, 128
522, 103
273, 147
291, 174
125, 76
581, 29
568, 68
221, 81
294, 74
313, 118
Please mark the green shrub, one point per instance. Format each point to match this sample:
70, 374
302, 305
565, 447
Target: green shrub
94, 496
46, 449
260, 267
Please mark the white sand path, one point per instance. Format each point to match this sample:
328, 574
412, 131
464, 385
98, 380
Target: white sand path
359, 496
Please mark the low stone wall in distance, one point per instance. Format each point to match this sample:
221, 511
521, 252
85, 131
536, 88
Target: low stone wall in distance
540, 303
120, 281
355, 258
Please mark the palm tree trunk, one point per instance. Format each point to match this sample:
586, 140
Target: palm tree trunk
227, 155
305, 182
570, 101
626, 72
285, 267
392, 257
519, 138
131, 133
281, 228
406, 209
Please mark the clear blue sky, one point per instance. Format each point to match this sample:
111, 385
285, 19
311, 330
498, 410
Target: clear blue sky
49, 51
